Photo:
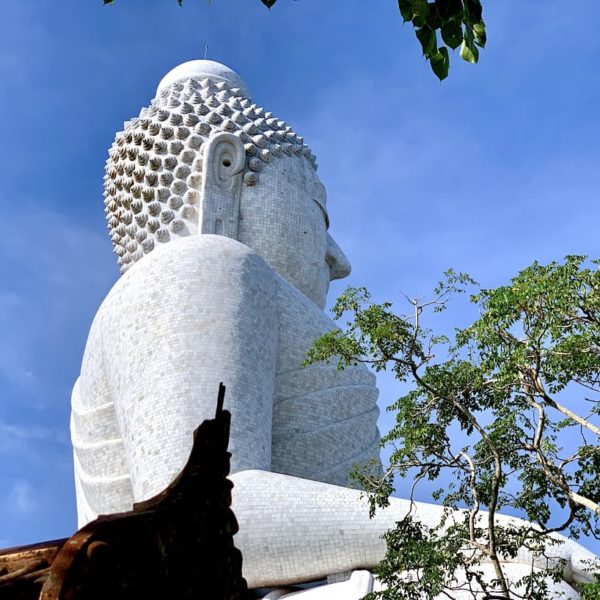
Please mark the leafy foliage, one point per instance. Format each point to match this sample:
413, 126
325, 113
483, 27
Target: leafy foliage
591, 591
510, 385
439, 25
446, 24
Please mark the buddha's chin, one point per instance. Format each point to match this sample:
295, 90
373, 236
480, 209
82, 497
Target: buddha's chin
317, 294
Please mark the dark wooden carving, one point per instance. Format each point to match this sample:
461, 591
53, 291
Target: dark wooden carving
24, 570
177, 545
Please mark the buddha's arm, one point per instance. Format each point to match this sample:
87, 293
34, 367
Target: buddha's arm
317, 529
190, 315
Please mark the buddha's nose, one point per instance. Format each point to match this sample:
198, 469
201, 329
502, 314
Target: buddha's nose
339, 265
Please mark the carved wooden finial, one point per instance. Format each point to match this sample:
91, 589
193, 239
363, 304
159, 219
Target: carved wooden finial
220, 400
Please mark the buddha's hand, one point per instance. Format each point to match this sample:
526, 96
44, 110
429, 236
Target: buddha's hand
582, 565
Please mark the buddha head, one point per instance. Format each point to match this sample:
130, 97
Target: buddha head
203, 159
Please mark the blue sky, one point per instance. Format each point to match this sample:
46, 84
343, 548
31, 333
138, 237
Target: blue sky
491, 169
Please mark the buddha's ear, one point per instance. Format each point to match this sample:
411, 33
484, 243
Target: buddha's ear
222, 174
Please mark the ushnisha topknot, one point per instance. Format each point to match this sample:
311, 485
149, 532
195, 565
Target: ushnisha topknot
154, 170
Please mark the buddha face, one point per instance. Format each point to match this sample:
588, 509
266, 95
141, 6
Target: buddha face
284, 219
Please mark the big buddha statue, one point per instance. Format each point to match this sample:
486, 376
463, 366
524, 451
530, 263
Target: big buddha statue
220, 225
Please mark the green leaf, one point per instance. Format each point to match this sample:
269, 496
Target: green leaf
440, 63
428, 40
452, 34
433, 18
406, 10
420, 12
420, 8
449, 9
469, 54
474, 10
480, 34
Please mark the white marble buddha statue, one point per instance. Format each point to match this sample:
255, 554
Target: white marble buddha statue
220, 224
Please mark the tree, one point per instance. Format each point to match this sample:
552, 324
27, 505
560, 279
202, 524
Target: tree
438, 25
490, 412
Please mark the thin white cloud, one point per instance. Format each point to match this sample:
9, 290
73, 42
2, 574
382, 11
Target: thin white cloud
49, 245
55, 272
27, 442
21, 499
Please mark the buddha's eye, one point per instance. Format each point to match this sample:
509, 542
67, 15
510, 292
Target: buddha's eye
319, 195
323, 211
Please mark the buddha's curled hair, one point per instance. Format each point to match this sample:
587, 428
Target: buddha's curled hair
154, 170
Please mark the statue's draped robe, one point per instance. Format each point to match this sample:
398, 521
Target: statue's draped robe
193, 313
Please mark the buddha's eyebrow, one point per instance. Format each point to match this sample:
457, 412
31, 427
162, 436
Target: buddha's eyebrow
323, 210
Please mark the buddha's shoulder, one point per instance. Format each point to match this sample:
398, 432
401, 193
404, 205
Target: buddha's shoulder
198, 256
196, 252
195, 267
